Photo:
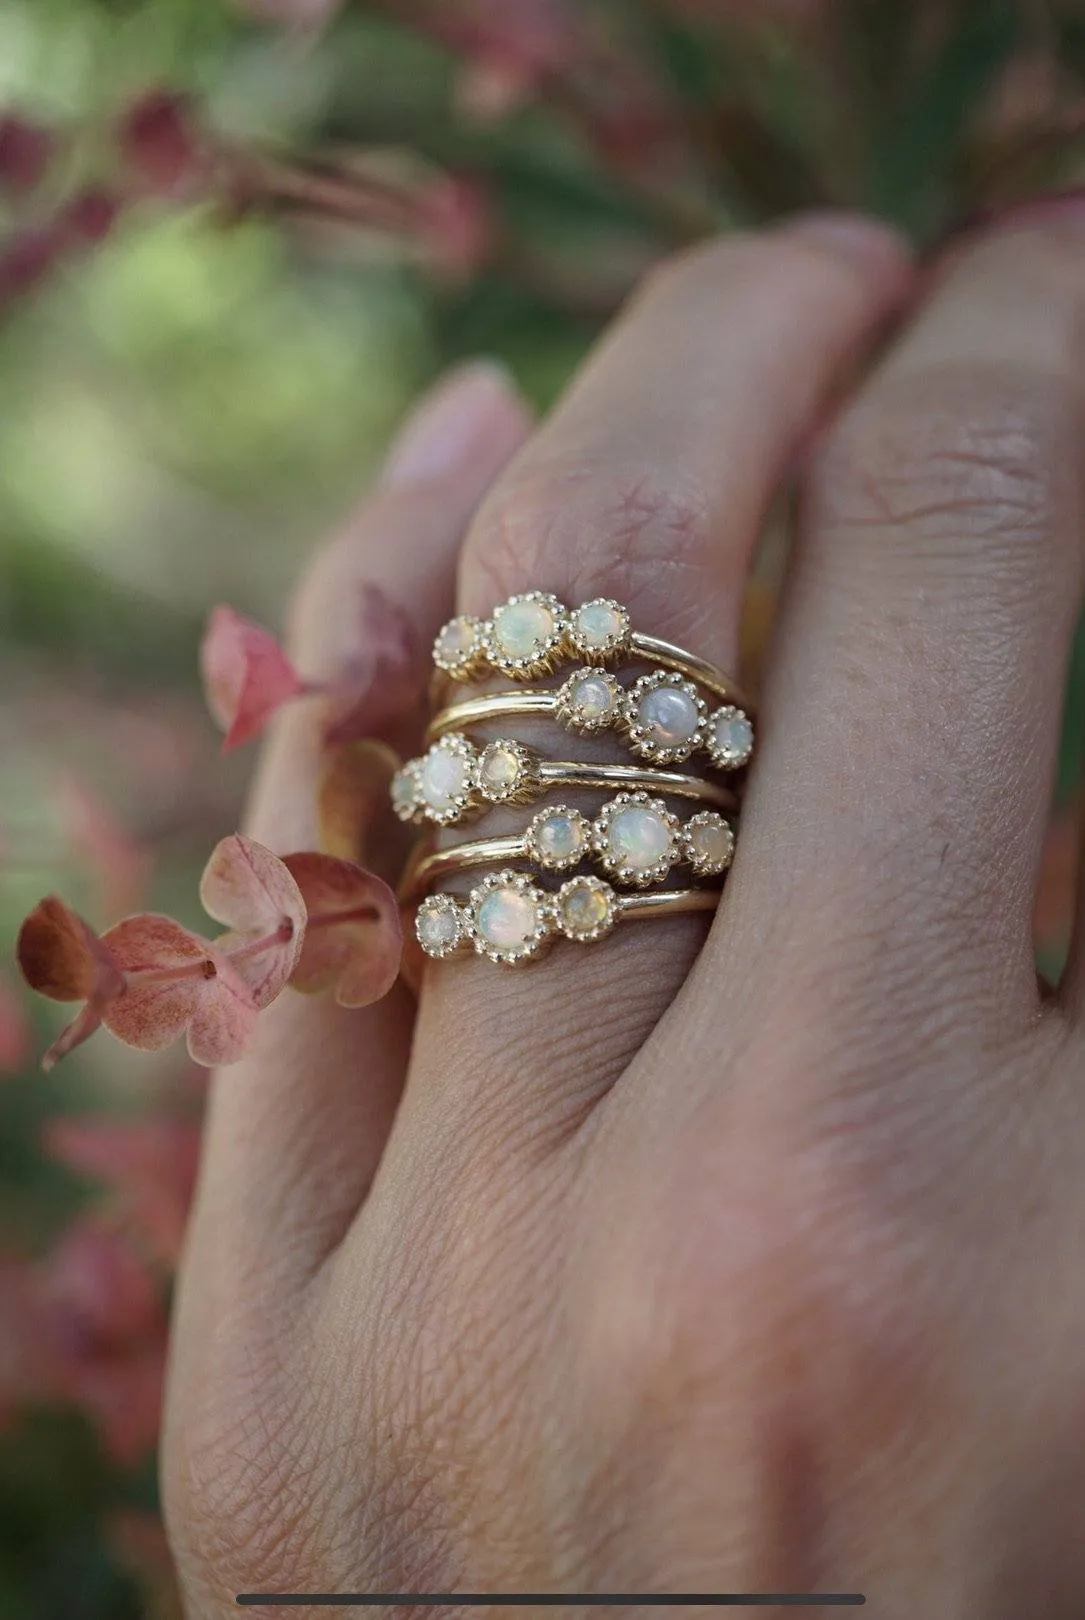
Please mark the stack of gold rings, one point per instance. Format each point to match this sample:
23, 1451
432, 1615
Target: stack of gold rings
681, 709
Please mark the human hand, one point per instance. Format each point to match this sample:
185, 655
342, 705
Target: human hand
742, 1258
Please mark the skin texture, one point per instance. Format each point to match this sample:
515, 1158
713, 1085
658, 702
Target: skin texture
711, 1260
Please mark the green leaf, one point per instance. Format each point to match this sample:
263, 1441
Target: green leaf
911, 160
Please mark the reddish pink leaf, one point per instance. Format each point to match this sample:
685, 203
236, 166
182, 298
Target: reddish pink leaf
62, 957
14, 1029
30, 257
354, 937
26, 150
106, 1336
251, 890
102, 1290
149, 1164
87, 1022
176, 982
458, 227
122, 1396
90, 215
159, 140
246, 675
386, 677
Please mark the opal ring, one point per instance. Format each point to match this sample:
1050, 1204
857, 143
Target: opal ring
531, 634
510, 920
662, 716
679, 711
455, 780
634, 838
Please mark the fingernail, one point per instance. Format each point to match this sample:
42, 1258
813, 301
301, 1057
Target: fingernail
474, 411
871, 243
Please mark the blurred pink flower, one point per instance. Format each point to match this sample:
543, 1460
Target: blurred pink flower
147, 1165
102, 1324
247, 676
86, 1325
26, 150
160, 143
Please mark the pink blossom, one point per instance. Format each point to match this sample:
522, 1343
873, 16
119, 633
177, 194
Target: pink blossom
246, 675
26, 150
148, 1166
354, 939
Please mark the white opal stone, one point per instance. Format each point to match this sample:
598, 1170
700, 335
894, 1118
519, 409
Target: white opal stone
560, 837
597, 625
523, 629
507, 919
404, 792
457, 639
732, 735
584, 909
713, 844
438, 929
444, 778
638, 838
593, 698
669, 715
499, 772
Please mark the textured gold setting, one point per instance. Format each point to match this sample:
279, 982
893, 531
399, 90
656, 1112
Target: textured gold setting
681, 709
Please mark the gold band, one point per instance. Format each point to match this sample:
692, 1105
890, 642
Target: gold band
681, 706
559, 838
496, 706
584, 909
710, 676
547, 633
592, 700
507, 772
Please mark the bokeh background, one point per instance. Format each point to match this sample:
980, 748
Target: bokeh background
235, 240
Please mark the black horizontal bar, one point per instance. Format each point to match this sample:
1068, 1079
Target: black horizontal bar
551, 1600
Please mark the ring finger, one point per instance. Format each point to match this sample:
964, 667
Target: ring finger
649, 484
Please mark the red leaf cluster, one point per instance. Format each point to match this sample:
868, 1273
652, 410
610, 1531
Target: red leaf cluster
87, 1326
312, 920
247, 677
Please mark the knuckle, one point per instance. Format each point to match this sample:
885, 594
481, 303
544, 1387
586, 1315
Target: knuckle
947, 464
581, 530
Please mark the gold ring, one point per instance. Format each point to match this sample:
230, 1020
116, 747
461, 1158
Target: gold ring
634, 838
510, 920
455, 780
531, 633
593, 700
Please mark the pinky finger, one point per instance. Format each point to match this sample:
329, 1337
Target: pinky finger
295, 1131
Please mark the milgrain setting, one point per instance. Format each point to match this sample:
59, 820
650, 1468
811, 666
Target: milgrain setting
634, 839
679, 709
533, 632
509, 920
506, 771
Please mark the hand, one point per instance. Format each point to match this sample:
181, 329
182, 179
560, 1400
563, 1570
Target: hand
706, 1260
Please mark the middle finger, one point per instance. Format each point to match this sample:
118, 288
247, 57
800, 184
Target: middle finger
649, 484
